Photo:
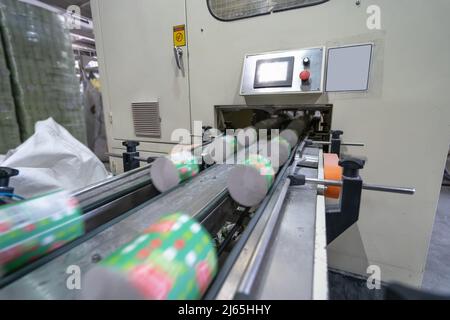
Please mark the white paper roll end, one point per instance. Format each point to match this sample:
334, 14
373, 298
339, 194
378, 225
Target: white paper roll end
246, 137
164, 174
291, 136
247, 186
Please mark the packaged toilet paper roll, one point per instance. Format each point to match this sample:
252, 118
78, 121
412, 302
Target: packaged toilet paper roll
168, 172
174, 259
246, 137
220, 150
291, 136
295, 130
32, 228
277, 151
250, 182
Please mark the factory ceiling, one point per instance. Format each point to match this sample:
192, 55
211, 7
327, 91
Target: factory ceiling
83, 38
64, 4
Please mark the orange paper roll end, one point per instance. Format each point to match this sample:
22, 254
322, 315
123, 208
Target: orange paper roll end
332, 171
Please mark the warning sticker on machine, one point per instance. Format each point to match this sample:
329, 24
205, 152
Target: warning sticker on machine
179, 36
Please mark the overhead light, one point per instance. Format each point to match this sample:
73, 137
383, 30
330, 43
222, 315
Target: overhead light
80, 37
85, 22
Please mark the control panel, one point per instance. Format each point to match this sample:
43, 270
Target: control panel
285, 72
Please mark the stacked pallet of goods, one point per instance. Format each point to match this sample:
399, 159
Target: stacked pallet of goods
9, 128
42, 65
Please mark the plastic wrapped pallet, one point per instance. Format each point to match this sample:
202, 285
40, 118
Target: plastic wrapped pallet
39, 53
9, 128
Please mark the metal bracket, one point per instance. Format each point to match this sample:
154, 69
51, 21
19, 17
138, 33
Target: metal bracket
338, 221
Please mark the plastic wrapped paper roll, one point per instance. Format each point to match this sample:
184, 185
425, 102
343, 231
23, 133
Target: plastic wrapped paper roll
33, 228
174, 259
246, 137
294, 131
291, 136
220, 150
277, 151
271, 123
298, 125
168, 172
249, 183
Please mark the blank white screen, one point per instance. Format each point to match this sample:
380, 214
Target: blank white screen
273, 71
348, 68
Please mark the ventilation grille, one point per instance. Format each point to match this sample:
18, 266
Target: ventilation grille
146, 119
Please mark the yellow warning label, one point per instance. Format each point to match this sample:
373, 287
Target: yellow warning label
179, 36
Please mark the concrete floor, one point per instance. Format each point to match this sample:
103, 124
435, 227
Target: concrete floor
437, 271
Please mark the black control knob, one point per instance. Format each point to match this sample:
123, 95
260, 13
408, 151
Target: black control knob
5, 175
131, 145
306, 61
336, 134
352, 166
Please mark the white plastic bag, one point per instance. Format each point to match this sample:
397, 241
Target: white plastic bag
53, 159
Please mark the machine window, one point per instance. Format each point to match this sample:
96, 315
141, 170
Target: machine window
229, 10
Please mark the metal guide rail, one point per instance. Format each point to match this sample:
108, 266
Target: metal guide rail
103, 192
204, 197
277, 256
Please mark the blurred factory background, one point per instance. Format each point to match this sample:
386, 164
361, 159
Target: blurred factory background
36, 50
116, 82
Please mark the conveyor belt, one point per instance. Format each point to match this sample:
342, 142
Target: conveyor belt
264, 211
284, 275
195, 197
204, 197
106, 191
279, 260
109, 199
295, 233
100, 203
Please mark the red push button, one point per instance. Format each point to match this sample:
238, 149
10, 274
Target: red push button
305, 75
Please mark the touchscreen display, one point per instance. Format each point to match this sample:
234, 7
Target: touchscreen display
273, 73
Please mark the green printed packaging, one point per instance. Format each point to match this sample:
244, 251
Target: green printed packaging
168, 172
32, 228
250, 182
174, 259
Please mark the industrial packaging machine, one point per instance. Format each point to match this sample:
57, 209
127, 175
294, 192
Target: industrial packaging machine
275, 250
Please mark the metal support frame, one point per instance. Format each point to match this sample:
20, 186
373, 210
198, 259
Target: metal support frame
130, 158
6, 191
336, 142
338, 221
